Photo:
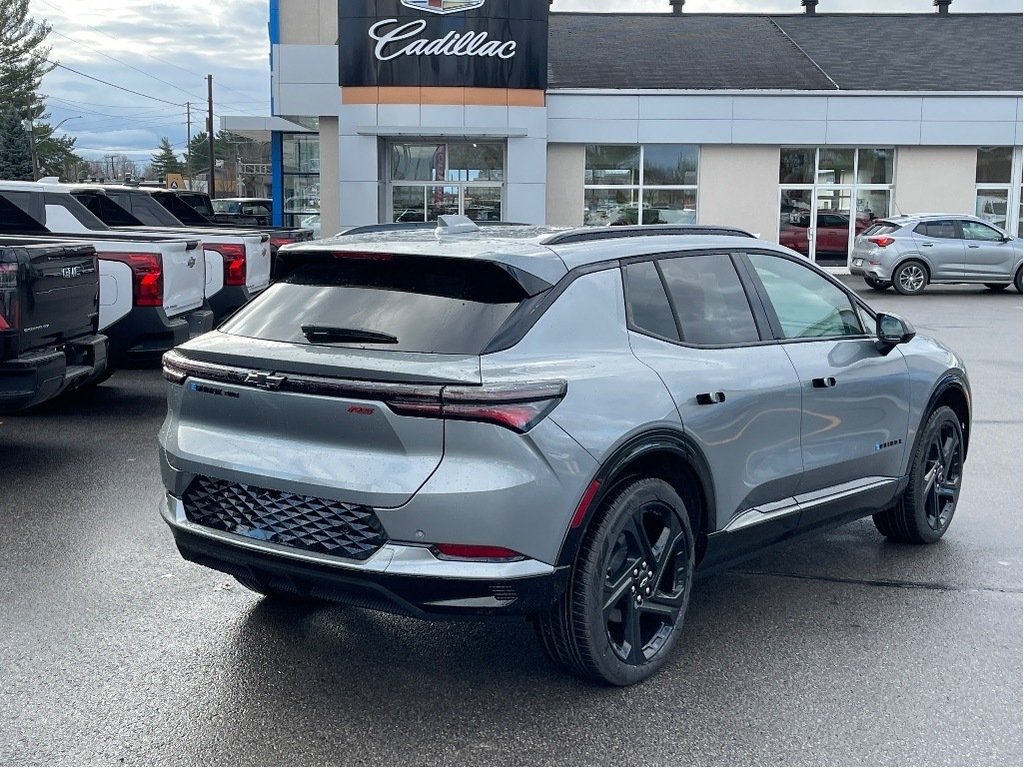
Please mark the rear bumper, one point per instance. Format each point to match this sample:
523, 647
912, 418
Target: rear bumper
142, 336
36, 377
398, 578
865, 269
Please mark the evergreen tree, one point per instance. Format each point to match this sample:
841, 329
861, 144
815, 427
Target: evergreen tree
15, 153
165, 161
22, 57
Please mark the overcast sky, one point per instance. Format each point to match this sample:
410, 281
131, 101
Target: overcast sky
173, 44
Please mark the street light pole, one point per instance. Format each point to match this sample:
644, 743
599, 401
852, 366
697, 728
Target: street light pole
32, 140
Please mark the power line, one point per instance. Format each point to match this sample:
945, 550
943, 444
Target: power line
114, 85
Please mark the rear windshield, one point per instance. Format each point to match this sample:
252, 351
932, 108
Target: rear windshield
108, 211
409, 303
14, 220
882, 228
145, 208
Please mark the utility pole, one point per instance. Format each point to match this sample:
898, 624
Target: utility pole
188, 142
209, 131
33, 154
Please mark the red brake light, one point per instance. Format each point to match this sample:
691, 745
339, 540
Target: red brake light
234, 261
280, 240
519, 407
881, 240
363, 256
147, 276
8, 296
474, 552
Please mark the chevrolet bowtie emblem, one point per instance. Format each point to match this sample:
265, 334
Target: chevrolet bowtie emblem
264, 380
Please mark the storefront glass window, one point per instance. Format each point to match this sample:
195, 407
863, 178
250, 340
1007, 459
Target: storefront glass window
997, 192
649, 184
301, 167
829, 195
468, 180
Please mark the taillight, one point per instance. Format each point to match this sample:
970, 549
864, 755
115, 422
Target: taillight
280, 240
234, 261
8, 297
474, 552
147, 276
519, 407
882, 240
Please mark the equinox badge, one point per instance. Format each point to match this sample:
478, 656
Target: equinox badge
264, 380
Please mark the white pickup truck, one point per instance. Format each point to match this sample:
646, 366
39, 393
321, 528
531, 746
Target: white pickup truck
151, 285
237, 261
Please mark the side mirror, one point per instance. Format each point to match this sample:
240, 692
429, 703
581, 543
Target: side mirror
1007, 238
893, 329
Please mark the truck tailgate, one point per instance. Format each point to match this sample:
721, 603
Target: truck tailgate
184, 273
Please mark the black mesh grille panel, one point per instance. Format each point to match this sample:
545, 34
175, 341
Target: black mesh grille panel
303, 522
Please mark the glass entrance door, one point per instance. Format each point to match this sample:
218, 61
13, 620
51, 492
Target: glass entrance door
432, 179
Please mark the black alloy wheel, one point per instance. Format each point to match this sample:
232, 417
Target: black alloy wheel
624, 608
1017, 281
926, 509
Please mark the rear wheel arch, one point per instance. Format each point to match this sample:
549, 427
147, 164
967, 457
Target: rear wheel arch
667, 455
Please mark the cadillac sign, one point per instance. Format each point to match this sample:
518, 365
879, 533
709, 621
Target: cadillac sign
470, 43
443, 6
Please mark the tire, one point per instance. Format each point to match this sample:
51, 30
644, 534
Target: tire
924, 512
877, 285
623, 610
996, 287
1017, 281
910, 278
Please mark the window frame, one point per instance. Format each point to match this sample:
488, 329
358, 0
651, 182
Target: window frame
957, 227
641, 186
761, 321
856, 303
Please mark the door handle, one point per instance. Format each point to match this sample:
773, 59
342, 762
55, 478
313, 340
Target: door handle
710, 398
825, 382
927, 245
973, 246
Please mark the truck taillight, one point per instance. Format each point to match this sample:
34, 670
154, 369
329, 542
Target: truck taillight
9, 314
234, 261
519, 407
147, 276
882, 241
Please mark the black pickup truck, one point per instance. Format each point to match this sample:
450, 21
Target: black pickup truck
49, 315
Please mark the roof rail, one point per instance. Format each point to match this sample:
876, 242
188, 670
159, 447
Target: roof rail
588, 234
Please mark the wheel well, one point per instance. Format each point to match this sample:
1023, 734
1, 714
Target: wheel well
917, 259
677, 472
957, 400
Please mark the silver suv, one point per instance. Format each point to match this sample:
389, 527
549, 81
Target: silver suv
908, 252
562, 425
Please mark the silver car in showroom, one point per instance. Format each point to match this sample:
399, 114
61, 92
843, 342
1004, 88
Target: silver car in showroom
562, 425
909, 252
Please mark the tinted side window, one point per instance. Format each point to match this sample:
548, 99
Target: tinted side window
941, 229
974, 230
709, 300
646, 301
807, 305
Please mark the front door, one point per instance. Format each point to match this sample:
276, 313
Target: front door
988, 255
855, 399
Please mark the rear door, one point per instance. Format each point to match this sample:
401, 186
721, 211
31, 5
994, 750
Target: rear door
989, 256
855, 399
941, 245
735, 389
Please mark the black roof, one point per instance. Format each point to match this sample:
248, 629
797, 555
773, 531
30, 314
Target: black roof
825, 51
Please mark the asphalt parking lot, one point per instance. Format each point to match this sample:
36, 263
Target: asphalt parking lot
839, 649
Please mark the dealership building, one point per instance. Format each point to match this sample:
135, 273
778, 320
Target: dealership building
801, 128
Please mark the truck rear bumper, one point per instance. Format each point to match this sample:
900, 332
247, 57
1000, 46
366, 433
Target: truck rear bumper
36, 377
141, 337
